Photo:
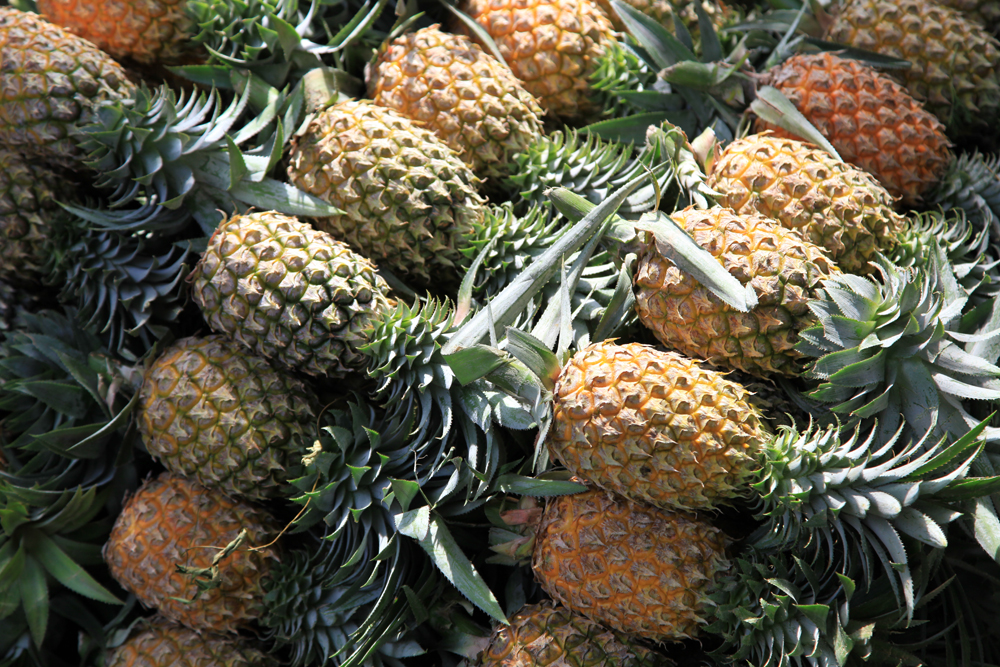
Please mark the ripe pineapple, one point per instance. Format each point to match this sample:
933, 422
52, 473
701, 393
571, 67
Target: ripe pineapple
27, 206
830, 203
289, 292
469, 100
782, 268
654, 426
173, 521
51, 82
409, 201
158, 642
635, 569
986, 12
955, 62
547, 634
214, 413
552, 46
868, 118
154, 31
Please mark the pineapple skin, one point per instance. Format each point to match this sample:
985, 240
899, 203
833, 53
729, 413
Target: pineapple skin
830, 203
409, 201
783, 269
986, 12
546, 634
290, 293
638, 570
213, 412
472, 102
148, 32
955, 62
159, 642
871, 120
51, 82
27, 205
552, 46
173, 521
654, 426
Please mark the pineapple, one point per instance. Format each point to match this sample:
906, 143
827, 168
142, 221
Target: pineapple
955, 63
783, 269
552, 46
986, 12
52, 82
224, 418
408, 200
665, 12
173, 521
289, 292
830, 203
638, 570
548, 634
150, 32
469, 100
27, 206
158, 642
654, 426
869, 119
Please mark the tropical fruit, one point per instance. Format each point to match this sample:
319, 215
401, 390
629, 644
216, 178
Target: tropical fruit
986, 12
27, 206
158, 642
547, 634
408, 200
664, 12
289, 293
830, 203
552, 46
871, 120
51, 81
955, 62
153, 31
466, 97
783, 269
173, 521
214, 412
636, 569
654, 426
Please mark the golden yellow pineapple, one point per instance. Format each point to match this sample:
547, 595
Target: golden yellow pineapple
151, 31
409, 202
450, 86
830, 203
159, 642
955, 62
173, 521
547, 634
782, 268
871, 120
51, 81
552, 46
639, 570
654, 426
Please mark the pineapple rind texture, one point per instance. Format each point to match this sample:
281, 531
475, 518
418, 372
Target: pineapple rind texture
871, 120
549, 635
832, 204
782, 268
955, 63
408, 199
149, 32
160, 642
552, 46
289, 292
173, 521
27, 204
654, 426
466, 97
639, 570
211, 411
51, 82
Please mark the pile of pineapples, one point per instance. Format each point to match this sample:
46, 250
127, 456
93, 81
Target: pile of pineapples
503, 332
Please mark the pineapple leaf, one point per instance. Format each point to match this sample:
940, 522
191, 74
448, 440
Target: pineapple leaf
535, 354
35, 600
663, 48
538, 486
772, 106
68, 573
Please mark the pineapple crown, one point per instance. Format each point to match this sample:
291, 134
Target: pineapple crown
890, 349
621, 77
972, 183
